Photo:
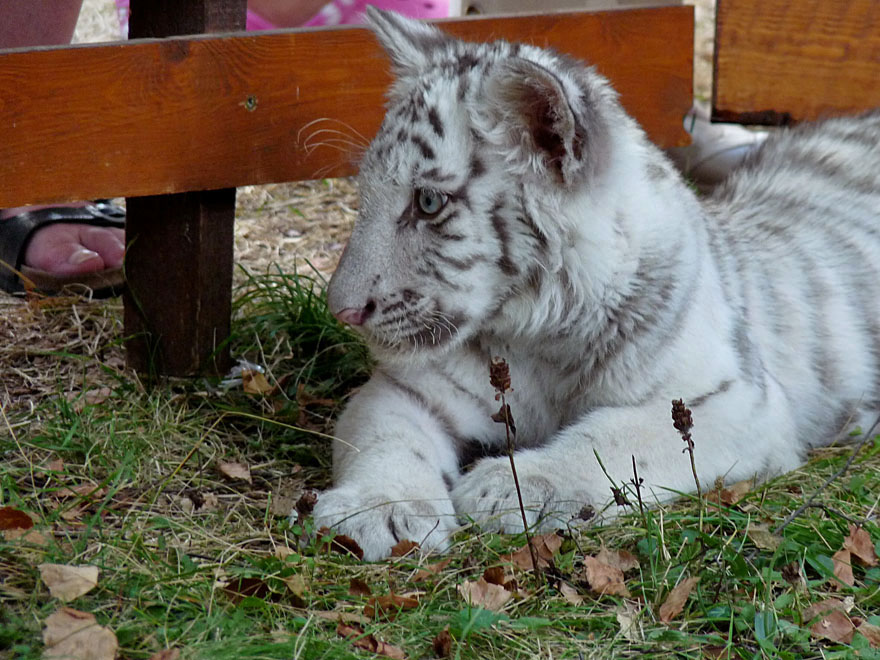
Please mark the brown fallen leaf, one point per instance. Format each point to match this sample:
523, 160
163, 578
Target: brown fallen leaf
14, 519
340, 543
627, 614
76, 635
431, 570
245, 587
842, 562
674, 603
733, 493
166, 654
235, 471
403, 548
869, 632
55, 465
836, 626
68, 582
26, 536
442, 644
304, 398
763, 538
545, 545
357, 587
369, 642
388, 607
860, 545
604, 579
297, 586
824, 607
85, 491
340, 617
622, 559
482, 594
253, 382
570, 594
285, 496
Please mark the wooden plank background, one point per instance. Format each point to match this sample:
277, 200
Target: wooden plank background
194, 113
781, 61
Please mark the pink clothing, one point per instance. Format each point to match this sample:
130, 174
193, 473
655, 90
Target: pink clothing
337, 12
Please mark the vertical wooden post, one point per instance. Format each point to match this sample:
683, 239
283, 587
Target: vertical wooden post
179, 261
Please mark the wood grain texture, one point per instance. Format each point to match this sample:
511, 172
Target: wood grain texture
781, 61
178, 265
197, 113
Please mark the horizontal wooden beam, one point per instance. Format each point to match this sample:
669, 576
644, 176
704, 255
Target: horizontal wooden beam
781, 61
196, 113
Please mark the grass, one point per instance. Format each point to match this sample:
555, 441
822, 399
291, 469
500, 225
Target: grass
192, 560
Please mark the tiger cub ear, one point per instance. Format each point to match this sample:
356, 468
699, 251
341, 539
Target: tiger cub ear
408, 42
541, 121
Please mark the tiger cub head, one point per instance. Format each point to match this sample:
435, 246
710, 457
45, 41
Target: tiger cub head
463, 192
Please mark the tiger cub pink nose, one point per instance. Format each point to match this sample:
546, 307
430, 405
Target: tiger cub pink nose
354, 315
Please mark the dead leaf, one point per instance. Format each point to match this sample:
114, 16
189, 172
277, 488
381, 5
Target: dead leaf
870, 632
403, 548
824, 607
389, 606
501, 576
627, 617
14, 519
431, 570
167, 654
860, 545
55, 465
442, 644
622, 559
253, 382
340, 617
676, 599
357, 587
482, 594
85, 491
340, 543
735, 492
68, 582
76, 635
369, 642
245, 587
304, 399
842, 561
604, 579
297, 586
836, 626
570, 594
235, 471
30, 536
285, 496
546, 546
763, 538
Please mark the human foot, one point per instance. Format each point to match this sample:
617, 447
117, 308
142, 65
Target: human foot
62, 243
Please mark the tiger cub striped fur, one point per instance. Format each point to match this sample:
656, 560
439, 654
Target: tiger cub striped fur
510, 207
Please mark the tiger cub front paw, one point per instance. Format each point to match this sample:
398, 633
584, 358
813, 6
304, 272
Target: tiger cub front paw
378, 521
487, 495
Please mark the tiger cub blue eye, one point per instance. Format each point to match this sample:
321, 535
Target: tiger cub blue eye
430, 202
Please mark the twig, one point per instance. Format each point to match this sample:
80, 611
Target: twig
809, 501
499, 377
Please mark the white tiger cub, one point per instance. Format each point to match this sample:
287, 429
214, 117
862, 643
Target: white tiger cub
510, 207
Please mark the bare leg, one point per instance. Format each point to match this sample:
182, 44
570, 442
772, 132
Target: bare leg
37, 22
